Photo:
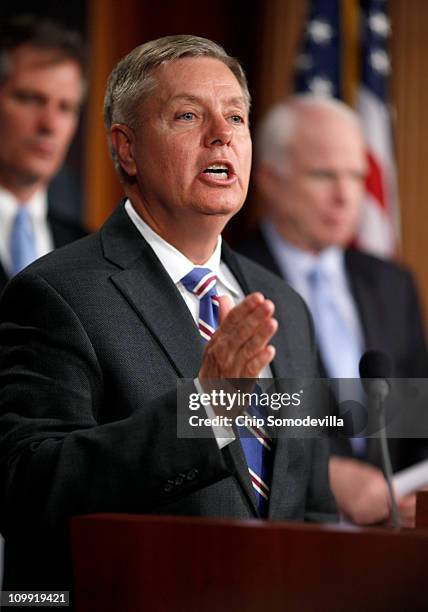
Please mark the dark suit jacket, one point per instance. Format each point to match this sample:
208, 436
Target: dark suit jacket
387, 303
93, 339
64, 230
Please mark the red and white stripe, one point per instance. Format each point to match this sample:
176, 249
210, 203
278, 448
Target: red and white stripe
206, 330
259, 485
259, 433
206, 283
379, 227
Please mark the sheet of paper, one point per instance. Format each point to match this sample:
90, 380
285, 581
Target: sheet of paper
411, 479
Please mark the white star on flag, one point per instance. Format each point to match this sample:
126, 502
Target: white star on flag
379, 24
320, 31
321, 86
380, 61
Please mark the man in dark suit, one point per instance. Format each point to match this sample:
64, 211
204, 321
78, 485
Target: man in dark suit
310, 170
89, 372
41, 90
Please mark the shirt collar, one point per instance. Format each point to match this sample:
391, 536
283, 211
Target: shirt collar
175, 263
37, 205
296, 262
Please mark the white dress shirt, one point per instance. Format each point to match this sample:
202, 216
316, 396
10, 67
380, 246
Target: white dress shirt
37, 206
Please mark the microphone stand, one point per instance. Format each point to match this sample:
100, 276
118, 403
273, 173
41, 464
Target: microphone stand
379, 392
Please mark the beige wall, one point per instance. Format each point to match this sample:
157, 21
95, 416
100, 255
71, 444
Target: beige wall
409, 50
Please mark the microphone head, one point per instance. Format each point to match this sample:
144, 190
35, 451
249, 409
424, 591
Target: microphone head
375, 364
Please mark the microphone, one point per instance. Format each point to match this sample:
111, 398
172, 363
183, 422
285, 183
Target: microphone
375, 369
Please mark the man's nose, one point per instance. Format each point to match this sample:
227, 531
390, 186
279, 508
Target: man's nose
48, 119
341, 189
219, 132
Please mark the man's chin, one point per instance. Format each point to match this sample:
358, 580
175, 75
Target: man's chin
43, 168
220, 208
37, 176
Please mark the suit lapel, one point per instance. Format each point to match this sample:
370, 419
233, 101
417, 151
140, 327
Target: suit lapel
281, 364
366, 306
237, 463
149, 290
257, 250
3, 278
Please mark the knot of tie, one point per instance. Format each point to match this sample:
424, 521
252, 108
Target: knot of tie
202, 283
317, 277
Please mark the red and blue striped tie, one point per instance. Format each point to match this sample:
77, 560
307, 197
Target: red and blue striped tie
256, 443
257, 446
202, 283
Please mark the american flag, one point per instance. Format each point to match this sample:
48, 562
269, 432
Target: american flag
322, 68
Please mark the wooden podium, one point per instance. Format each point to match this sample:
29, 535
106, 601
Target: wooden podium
129, 563
422, 510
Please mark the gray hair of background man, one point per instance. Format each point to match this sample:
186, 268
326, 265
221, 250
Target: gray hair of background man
43, 34
275, 132
131, 80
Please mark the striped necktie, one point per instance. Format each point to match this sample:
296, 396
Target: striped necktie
22, 241
202, 283
256, 444
257, 447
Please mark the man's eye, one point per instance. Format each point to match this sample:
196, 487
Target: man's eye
324, 175
359, 177
236, 119
187, 116
70, 109
26, 97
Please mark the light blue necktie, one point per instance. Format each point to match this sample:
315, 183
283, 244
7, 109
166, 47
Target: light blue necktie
22, 241
340, 349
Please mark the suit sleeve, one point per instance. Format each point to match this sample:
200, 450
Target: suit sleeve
57, 458
320, 503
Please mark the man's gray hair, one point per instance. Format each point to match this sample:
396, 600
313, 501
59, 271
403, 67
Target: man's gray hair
275, 132
132, 80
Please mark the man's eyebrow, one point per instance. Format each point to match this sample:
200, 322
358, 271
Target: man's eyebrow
235, 100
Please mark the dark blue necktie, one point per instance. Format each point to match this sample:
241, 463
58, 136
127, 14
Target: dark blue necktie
257, 446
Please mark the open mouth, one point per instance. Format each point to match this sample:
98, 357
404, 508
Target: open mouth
218, 171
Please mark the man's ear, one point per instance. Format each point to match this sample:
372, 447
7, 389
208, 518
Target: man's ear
122, 143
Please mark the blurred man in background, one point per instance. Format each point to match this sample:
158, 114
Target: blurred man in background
41, 91
310, 171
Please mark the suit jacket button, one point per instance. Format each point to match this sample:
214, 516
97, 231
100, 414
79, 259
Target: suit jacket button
192, 474
168, 486
180, 479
